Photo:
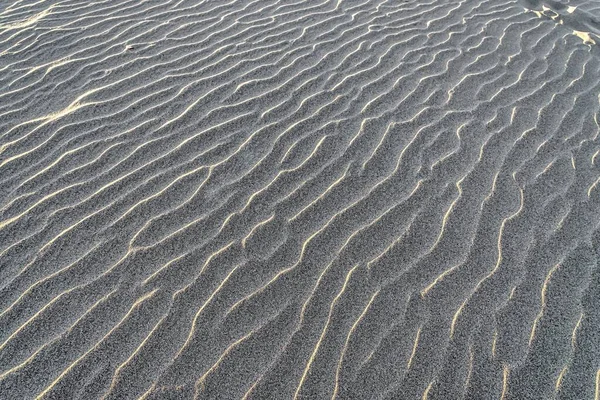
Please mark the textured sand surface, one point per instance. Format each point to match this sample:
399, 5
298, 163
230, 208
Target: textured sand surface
286, 199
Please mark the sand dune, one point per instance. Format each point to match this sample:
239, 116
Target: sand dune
285, 199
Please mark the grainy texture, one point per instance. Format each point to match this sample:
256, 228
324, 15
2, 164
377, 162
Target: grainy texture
276, 199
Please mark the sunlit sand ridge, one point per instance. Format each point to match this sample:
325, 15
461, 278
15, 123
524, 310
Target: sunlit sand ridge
272, 199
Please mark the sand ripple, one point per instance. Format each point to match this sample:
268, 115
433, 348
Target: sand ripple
299, 199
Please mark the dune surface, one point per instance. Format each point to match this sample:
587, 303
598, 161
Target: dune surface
290, 199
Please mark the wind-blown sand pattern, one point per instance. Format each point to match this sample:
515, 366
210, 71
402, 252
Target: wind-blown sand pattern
273, 199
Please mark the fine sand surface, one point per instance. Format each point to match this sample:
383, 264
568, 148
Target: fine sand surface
299, 199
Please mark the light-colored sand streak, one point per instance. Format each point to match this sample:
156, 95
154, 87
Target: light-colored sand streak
286, 199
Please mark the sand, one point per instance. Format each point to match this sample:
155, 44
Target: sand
286, 199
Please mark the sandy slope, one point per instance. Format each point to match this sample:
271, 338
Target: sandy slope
277, 199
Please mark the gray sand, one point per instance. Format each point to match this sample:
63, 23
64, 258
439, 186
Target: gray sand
290, 199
